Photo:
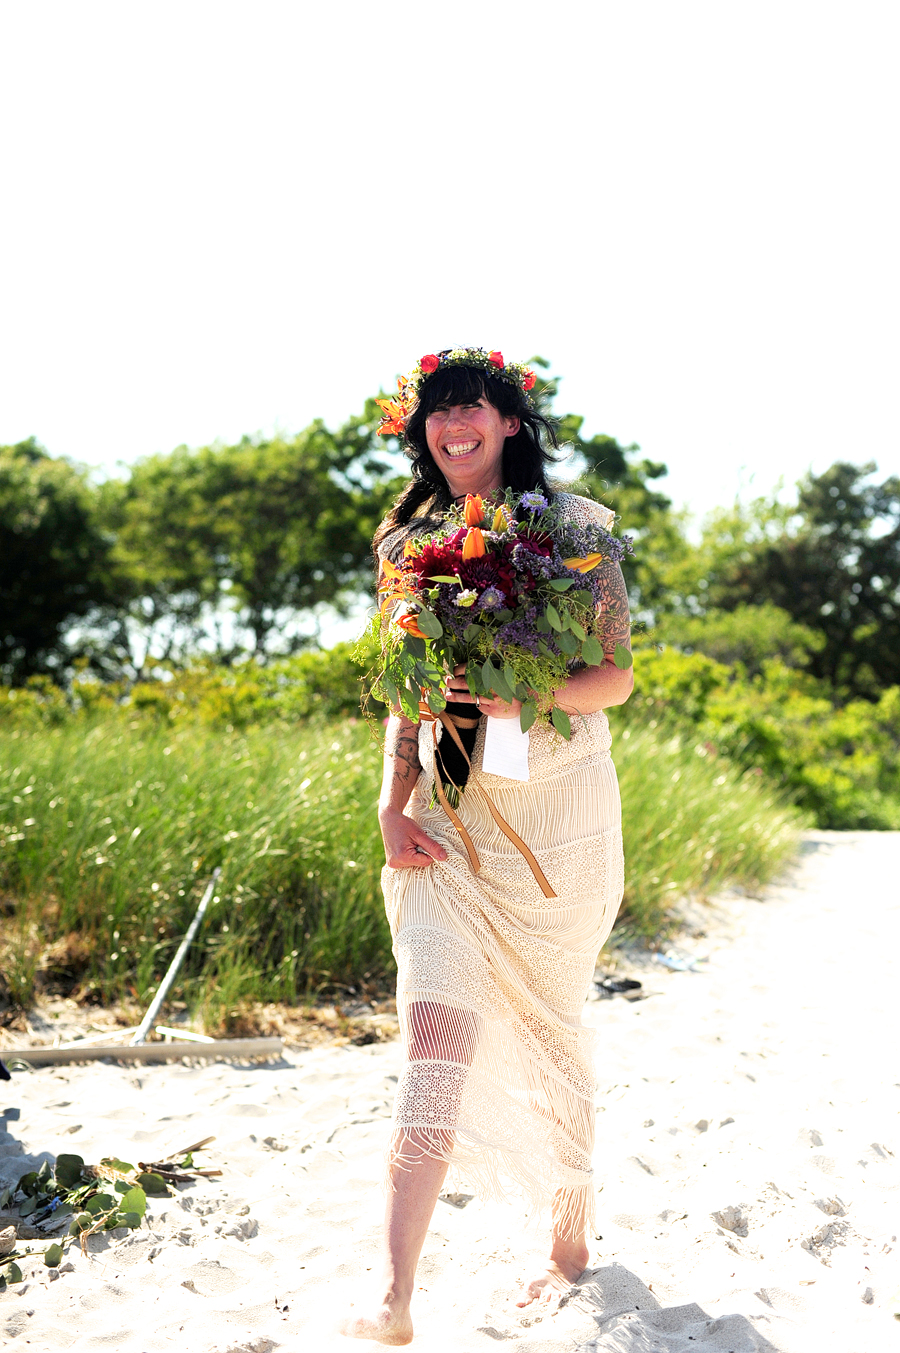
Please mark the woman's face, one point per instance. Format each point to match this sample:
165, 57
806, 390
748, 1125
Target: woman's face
466, 444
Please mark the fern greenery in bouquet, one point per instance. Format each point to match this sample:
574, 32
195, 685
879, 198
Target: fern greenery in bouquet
511, 591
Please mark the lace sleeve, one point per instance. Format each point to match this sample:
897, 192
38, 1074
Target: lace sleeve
584, 511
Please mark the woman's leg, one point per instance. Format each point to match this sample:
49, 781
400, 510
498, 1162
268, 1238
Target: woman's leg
434, 1033
569, 1253
412, 1194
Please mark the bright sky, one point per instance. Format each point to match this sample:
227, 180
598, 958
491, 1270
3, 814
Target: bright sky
221, 218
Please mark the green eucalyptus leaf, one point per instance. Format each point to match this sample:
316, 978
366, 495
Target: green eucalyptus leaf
390, 690
553, 616
503, 688
416, 646
429, 624
409, 706
436, 701
68, 1170
30, 1205
577, 629
542, 625
592, 651
444, 578
527, 716
504, 615
561, 722
567, 643
562, 584
488, 675
622, 657
583, 596
52, 1255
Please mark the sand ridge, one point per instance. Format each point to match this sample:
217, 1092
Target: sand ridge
747, 1165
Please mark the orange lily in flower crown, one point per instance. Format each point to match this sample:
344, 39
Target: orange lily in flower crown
394, 414
473, 545
474, 510
584, 565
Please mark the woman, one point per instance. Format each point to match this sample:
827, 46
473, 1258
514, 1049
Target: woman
493, 975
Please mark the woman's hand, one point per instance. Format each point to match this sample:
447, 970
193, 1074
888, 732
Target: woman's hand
491, 705
406, 846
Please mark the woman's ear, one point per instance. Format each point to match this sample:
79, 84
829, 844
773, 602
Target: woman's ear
513, 423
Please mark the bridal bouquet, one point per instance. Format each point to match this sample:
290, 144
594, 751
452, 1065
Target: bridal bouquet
511, 591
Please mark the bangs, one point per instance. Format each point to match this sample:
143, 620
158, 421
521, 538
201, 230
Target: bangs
454, 385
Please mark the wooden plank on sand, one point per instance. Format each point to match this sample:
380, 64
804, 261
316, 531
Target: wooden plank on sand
148, 1052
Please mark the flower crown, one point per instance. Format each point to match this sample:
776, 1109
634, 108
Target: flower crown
396, 411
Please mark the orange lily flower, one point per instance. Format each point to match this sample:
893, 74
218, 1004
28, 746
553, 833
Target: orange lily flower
584, 565
410, 624
473, 545
502, 518
474, 509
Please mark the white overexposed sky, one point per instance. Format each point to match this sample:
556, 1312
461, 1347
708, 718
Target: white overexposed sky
221, 218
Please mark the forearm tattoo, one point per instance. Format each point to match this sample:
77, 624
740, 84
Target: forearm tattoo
615, 621
402, 745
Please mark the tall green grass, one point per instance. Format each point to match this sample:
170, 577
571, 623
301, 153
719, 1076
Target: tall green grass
109, 829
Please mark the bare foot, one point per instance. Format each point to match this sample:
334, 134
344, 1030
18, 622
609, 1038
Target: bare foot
558, 1275
387, 1325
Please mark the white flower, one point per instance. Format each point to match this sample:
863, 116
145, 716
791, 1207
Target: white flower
465, 598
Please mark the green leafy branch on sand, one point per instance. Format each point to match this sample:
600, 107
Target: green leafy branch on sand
90, 1198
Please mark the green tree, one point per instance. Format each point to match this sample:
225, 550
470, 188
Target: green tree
54, 560
832, 562
266, 530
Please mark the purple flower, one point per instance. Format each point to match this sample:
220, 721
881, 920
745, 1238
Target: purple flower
533, 502
491, 599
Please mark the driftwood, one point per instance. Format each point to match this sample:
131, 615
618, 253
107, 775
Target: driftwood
173, 1171
268, 1048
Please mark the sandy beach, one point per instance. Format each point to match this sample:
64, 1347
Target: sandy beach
746, 1164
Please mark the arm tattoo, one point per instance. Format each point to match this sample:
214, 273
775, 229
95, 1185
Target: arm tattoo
615, 622
402, 744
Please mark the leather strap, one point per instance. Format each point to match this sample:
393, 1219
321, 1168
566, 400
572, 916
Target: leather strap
506, 829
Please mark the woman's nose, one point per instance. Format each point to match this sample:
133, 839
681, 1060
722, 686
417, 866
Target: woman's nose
456, 415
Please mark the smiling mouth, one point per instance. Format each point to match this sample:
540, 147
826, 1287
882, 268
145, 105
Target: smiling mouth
459, 448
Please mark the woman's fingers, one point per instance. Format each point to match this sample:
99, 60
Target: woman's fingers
415, 849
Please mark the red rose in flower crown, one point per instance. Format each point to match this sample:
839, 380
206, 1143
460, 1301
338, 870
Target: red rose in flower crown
496, 358
529, 380
429, 363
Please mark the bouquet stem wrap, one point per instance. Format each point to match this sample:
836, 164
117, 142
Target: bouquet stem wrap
449, 725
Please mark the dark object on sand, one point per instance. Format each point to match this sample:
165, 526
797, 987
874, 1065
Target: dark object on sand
608, 987
4, 1074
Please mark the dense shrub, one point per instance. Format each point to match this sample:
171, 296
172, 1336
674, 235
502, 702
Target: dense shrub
842, 764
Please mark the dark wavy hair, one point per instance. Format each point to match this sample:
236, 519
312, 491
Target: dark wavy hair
526, 455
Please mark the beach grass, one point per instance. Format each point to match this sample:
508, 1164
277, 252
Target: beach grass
110, 827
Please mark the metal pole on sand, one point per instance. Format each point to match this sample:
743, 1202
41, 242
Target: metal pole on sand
162, 991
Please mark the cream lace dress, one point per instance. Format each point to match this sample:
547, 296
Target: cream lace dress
492, 975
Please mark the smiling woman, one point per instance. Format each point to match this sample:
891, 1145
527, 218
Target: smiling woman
493, 966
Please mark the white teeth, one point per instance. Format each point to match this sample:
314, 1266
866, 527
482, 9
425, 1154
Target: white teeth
460, 448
